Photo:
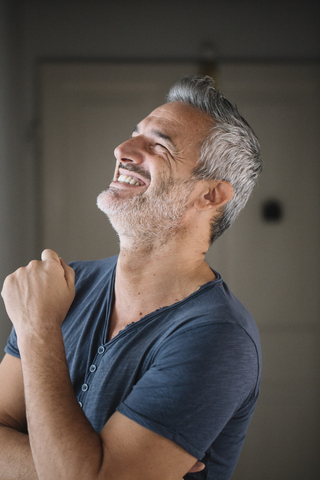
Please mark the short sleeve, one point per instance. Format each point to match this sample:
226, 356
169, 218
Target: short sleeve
12, 344
198, 380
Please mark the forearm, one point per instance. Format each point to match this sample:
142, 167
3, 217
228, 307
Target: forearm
63, 442
16, 461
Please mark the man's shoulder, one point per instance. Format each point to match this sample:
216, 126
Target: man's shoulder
215, 306
214, 300
93, 268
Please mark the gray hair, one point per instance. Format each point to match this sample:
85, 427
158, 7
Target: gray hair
231, 151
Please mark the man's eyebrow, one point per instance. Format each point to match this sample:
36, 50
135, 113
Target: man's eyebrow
159, 134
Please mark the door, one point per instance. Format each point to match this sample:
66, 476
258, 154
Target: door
271, 262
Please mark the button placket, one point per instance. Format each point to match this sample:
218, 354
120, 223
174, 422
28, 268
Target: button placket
92, 369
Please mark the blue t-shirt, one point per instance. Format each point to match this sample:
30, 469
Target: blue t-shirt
189, 372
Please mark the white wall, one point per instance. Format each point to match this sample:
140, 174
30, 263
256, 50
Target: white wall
31, 30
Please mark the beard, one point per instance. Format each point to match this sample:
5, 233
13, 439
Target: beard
148, 218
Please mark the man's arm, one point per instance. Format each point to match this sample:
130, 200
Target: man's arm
63, 442
65, 445
16, 460
15, 454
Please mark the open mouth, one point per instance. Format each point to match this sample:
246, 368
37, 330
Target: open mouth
131, 177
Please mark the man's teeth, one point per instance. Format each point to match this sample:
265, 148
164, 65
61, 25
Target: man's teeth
125, 179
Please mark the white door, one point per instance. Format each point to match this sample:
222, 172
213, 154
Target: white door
269, 257
273, 266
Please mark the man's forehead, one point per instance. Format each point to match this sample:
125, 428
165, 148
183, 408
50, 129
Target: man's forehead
177, 116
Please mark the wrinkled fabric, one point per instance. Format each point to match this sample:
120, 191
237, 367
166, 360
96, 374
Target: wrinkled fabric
189, 372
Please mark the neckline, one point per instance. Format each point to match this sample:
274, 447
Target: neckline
150, 315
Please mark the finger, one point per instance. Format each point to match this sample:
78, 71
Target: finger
197, 467
68, 273
49, 254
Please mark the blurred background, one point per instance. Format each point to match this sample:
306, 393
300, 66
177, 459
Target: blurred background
75, 78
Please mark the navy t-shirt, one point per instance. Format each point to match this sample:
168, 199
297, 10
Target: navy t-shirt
189, 372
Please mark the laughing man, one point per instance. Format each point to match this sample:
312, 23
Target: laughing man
142, 366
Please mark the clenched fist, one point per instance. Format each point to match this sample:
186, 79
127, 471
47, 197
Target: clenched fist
37, 297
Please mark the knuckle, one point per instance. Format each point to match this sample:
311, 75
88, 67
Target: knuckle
33, 264
10, 278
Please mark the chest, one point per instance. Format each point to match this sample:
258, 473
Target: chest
123, 314
104, 373
118, 322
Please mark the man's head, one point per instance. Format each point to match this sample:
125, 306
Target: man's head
195, 146
230, 152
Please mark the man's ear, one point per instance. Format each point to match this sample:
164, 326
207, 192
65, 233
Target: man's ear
216, 195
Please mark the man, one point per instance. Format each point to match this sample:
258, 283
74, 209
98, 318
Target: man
153, 365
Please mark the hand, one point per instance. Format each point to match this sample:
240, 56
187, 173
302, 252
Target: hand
39, 296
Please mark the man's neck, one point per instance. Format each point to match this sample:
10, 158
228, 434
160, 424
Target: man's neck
147, 280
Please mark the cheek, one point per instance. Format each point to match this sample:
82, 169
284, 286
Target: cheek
160, 170
164, 165
166, 171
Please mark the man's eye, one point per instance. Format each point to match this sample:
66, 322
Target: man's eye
160, 145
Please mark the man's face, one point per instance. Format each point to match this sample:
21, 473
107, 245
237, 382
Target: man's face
152, 181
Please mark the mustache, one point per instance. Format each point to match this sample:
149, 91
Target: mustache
137, 169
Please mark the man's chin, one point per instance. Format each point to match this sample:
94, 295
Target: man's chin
114, 205
103, 201
106, 199
144, 217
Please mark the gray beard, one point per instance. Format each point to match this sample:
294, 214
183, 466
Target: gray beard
148, 220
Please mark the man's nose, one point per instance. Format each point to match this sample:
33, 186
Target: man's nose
132, 150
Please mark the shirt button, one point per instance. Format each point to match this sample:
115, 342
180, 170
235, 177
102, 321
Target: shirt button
93, 368
101, 350
84, 387
80, 403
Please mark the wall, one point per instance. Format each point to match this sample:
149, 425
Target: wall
31, 30
168, 29
15, 175
172, 28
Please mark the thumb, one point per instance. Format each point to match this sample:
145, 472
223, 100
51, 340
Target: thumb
49, 254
